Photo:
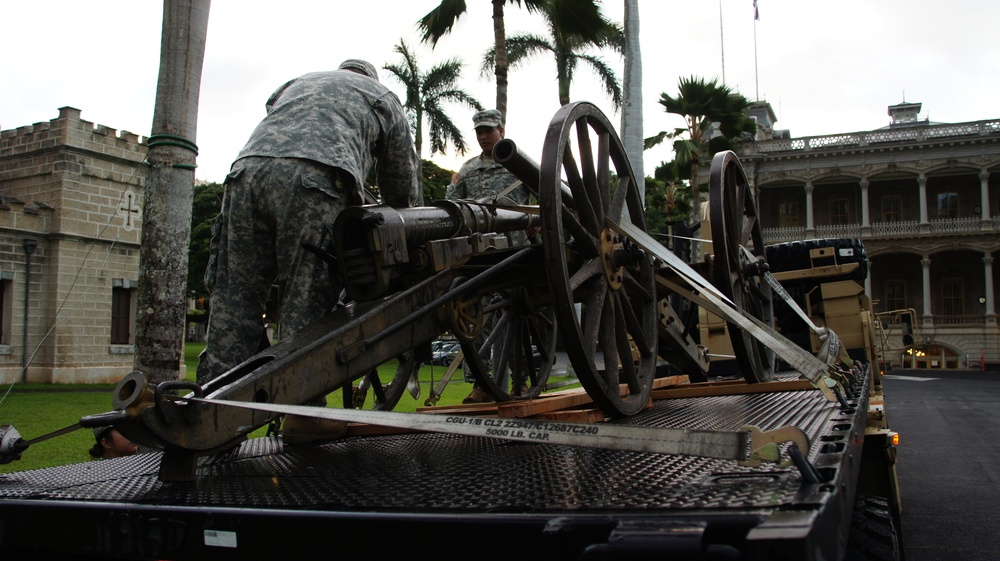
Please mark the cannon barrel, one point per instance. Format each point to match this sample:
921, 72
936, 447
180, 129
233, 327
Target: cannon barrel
507, 154
453, 218
374, 242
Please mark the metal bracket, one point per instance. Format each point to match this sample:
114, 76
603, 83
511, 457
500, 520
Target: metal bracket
764, 444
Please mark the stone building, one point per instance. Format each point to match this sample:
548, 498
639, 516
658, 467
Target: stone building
924, 198
70, 223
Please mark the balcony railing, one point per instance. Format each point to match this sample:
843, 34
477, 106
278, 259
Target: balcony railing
881, 230
895, 229
901, 134
787, 234
839, 231
956, 225
940, 320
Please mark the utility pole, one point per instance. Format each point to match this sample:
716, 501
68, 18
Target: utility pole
166, 227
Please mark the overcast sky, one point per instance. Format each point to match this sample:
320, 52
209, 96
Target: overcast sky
826, 67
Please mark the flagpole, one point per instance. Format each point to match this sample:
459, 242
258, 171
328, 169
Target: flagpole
756, 82
722, 44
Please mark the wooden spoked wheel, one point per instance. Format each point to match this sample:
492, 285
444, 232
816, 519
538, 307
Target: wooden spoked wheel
385, 396
602, 283
740, 261
513, 356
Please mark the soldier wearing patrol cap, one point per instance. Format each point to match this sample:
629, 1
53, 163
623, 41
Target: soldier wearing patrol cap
483, 179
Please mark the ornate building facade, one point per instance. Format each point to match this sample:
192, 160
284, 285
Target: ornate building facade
70, 223
923, 197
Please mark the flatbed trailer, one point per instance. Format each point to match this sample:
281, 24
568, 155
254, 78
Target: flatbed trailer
790, 465
452, 496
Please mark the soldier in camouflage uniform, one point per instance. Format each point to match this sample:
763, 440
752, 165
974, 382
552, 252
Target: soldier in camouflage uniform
306, 160
483, 179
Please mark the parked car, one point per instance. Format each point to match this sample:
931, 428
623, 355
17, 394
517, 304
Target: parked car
443, 351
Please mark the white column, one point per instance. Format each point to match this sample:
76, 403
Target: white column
988, 271
922, 183
926, 264
809, 206
984, 190
865, 218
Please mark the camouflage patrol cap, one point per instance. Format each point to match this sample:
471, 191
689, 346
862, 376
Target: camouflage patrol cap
487, 118
99, 431
362, 66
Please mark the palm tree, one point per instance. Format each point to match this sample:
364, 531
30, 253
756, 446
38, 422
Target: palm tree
571, 16
566, 48
714, 116
666, 201
631, 128
166, 218
425, 96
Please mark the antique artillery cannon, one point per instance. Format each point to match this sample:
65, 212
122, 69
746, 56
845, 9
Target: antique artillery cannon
596, 280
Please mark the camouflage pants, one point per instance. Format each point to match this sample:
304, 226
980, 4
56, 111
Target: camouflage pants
270, 206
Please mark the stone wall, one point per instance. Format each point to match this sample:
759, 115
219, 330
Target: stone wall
75, 188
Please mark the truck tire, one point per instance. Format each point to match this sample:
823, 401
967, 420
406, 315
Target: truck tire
873, 532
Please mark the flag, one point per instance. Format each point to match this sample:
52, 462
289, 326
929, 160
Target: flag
756, 14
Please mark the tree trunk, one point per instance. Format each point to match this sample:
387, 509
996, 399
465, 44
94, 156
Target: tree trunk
695, 219
166, 226
418, 144
694, 126
632, 102
500, 57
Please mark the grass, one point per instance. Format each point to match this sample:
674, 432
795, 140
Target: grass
39, 409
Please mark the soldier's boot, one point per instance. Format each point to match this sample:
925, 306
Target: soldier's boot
478, 395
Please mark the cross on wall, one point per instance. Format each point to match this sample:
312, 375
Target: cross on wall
129, 210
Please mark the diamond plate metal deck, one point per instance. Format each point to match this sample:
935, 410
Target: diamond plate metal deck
383, 497
447, 473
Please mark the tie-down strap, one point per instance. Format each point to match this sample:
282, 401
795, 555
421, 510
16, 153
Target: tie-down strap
749, 445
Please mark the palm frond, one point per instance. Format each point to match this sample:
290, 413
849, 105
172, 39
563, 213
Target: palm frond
441, 76
439, 21
459, 96
607, 75
654, 140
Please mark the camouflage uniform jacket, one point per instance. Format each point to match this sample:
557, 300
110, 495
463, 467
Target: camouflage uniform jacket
482, 177
344, 120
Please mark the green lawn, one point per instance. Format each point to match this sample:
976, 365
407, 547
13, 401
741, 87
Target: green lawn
38, 409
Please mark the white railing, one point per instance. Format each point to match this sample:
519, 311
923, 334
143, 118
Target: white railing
955, 225
965, 224
893, 135
894, 229
839, 231
911, 133
784, 234
940, 319
834, 140
960, 129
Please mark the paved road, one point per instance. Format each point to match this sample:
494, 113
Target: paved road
948, 463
